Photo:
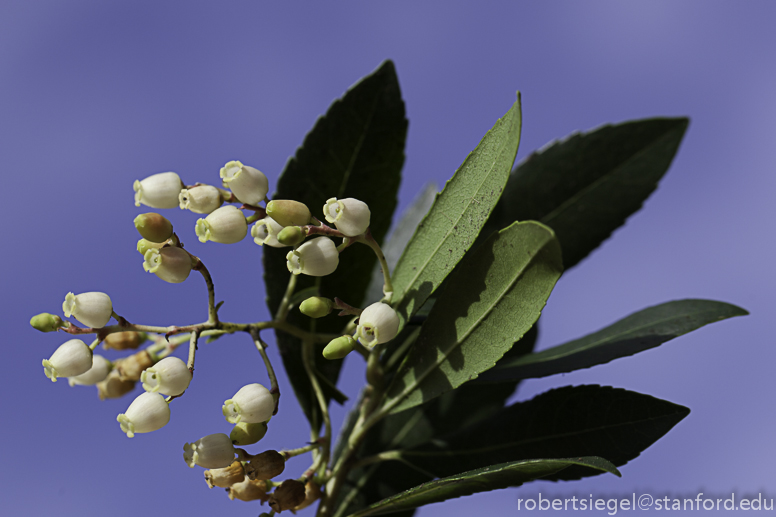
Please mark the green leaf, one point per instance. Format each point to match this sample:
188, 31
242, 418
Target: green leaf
355, 150
457, 215
465, 406
400, 237
493, 477
489, 303
587, 185
566, 422
640, 331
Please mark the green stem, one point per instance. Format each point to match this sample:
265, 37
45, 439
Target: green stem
367, 239
212, 314
284, 307
290, 453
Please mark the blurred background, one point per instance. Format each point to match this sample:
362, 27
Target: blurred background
95, 95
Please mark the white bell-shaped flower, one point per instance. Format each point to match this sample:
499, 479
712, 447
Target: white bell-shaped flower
214, 451
171, 264
226, 225
159, 190
92, 309
379, 323
250, 185
253, 403
148, 412
97, 373
72, 358
201, 199
349, 215
266, 231
317, 257
170, 376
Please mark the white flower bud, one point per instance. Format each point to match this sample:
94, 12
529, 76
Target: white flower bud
170, 376
252, 403
248, 184
159, 190
214, 451
92, 309
72, 358
201, 199
349, 215
148, 412
97, 373
170, 264
379, 323
266, 231
226, 225
318, 257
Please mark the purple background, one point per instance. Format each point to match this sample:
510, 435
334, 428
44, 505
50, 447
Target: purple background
98, 94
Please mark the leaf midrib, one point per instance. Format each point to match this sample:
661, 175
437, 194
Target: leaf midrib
518, 443
600, 180
610, 338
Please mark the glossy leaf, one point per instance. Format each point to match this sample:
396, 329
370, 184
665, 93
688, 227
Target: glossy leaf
399, 238
566, 422
587, 185
457, 215
355, 150
493, 477
640, 331
488, 304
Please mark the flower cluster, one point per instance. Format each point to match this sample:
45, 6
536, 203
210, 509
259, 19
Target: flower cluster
280, 223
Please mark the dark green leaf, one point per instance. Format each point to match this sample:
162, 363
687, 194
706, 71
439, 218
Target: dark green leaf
587, 185
457, 215
399, 237
467, 405
566, 422
489, 303
355, 150
492, 477
640, 331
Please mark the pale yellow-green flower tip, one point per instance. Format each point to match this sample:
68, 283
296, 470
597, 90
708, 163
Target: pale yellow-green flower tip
248, 434
316, 307
339, 347
46, 322
144, 245
288, 212
153, 227
291, 236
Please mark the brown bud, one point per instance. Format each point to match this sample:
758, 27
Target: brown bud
266, 465
131, 367
312, 493
288, 495
249, 490
225, 477
113, 387
128, 340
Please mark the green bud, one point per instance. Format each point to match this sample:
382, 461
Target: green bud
46, 322
288, 212
339, 347
316, 307
154, 227
248, 434
291, 236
